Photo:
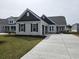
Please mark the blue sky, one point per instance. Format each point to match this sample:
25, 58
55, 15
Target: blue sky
67, 8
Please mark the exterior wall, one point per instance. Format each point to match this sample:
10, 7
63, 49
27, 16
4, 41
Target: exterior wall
1, 29
54, 29
74, 28
28, 28
11, 20
59, 29
45, 24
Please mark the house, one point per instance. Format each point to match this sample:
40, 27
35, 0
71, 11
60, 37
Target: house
11, 24
3, 22
31, 24
60, 23
69, 28
75, 27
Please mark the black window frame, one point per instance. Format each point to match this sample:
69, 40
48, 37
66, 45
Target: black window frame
34, 27
20, 28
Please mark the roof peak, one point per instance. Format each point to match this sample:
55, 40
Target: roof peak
25, 13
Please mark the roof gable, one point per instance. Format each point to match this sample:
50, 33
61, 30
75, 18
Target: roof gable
44, 18
59, 20
28, 15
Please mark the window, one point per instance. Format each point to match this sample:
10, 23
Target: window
13, 28
22, 27
11, 22
27, 13
34, 27
52, 28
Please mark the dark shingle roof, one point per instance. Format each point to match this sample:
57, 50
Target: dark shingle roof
32, 16
11, 18
59, 20
44, 18
3, 21
15, 18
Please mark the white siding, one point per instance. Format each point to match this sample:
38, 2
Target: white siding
54, 29
28, 28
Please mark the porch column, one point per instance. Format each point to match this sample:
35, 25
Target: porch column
9, 28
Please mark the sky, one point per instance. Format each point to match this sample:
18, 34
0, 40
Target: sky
67, 8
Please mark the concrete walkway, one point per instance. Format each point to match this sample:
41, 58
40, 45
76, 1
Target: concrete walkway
3, 33
56, 46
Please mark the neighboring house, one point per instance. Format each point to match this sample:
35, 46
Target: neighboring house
60, 23
69, 28
75, 27
11, 24
31, 24
3, 22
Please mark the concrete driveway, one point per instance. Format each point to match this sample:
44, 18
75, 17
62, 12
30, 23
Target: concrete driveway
56, 46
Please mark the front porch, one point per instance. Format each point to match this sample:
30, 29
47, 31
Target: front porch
53, 29
10, 28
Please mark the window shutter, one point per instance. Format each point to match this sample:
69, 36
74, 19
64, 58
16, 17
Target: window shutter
31, 27
50, 28
37, 27
24, 27
19, 27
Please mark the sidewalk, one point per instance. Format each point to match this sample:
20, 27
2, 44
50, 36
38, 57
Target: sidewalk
3, 33
57, 46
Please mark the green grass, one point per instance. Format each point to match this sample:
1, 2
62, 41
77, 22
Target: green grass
71, 33
14, 47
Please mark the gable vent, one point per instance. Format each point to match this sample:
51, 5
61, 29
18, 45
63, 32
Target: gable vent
27, 13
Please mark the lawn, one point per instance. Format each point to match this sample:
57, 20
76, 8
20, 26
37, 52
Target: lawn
14, 47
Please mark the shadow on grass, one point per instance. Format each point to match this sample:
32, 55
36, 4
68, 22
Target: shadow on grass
2, 42
26, 37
